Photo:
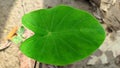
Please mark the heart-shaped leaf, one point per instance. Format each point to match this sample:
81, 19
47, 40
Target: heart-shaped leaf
63, 35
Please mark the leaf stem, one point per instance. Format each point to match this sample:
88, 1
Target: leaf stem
40, 65
35, 65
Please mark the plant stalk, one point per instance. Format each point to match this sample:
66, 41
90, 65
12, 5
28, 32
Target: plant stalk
35, 65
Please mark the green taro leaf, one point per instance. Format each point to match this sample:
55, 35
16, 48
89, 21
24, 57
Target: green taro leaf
62, 35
